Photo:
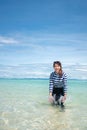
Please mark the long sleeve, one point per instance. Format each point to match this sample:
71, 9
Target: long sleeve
51, 83
65, 83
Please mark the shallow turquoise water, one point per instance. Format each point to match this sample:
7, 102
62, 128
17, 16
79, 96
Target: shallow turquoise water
24, 106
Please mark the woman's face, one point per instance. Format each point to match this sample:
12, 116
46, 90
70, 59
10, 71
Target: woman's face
57, 68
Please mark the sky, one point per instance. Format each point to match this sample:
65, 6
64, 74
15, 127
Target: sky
36, 32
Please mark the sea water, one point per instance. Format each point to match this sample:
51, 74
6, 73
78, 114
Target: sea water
24, 105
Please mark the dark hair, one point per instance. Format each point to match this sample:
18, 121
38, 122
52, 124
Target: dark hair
59, 64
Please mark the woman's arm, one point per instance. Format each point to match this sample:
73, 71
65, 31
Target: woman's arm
65, 85
51, 84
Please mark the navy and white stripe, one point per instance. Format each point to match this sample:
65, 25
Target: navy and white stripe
57, 81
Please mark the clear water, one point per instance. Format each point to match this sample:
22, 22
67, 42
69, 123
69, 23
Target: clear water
24, 106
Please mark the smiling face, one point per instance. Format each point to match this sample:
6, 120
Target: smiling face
57, 68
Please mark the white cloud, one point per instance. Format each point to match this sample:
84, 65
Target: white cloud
42, 39
41, 71
7, 40
45, 48
81, 69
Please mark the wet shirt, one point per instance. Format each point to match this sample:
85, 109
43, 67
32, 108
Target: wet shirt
57, 81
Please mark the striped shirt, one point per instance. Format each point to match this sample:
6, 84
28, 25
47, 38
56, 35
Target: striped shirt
57, 81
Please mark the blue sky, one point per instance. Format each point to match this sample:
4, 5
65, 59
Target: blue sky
41, 31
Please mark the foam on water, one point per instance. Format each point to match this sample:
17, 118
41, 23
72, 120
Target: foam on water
24, 106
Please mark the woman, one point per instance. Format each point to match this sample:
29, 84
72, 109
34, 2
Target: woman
58, 84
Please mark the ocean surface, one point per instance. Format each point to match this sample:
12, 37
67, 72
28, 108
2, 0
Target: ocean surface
24, 106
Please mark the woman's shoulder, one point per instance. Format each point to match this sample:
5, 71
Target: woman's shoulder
52, 74
64, 74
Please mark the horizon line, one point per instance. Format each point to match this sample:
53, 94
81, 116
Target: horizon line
39, 78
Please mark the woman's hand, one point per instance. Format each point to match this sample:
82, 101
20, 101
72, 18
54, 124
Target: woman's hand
50, 94
51, 98
65, 96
